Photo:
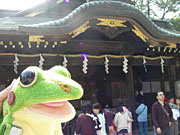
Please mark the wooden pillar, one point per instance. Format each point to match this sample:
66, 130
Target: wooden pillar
162, 83
130, 89
171, 76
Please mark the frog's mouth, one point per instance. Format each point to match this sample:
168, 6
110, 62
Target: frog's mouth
54, 109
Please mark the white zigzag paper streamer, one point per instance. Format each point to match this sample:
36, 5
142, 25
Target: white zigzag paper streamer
85, 64
144, 63
125, 65
65, 62
106, 65
162, 65
41, 62
16, 60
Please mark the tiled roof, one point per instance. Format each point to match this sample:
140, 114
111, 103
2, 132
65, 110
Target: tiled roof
97, 9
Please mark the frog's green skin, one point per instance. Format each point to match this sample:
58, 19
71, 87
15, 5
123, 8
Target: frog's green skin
47, 88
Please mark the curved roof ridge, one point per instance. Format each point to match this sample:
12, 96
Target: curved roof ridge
94, 9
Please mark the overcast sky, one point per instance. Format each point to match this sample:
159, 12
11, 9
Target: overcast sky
18, 4
25, 4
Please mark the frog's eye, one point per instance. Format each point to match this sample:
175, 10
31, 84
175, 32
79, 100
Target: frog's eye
28, 78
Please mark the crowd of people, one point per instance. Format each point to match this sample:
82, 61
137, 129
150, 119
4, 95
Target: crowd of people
95, 120
98, 121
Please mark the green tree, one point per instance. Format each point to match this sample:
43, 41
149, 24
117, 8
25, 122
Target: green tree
176, 23
146, 7
167, 6
150, 7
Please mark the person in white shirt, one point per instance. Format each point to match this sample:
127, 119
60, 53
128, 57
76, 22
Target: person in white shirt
97, 110
121, 121
175, 111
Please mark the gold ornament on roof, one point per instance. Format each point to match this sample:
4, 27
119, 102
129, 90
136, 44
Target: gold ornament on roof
46, 43
140, 34
19, 43
55, 43
80, 30
1, 42
36, 38
63, 42
151, 46
171, 45
112, 22
10, 42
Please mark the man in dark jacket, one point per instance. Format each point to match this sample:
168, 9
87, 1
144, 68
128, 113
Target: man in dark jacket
85, 121
109, 117
161, 115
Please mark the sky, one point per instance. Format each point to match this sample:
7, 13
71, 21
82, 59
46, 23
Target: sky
25, 4
18, 4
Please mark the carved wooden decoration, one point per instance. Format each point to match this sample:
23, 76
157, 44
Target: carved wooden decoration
80, 30
140, 34
111, 22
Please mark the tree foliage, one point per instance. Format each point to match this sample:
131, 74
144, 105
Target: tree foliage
146, 6
176, 23
167, 6
159, 9
150, 7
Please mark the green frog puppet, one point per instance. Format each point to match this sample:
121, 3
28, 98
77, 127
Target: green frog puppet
38, 102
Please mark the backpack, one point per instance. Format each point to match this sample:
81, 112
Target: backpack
97, 123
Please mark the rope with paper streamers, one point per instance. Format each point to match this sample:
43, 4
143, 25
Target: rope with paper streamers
106, 64
65, 61
144, 63
85, 64
162, 65
89, 56
125, 65
41, 62
16, 60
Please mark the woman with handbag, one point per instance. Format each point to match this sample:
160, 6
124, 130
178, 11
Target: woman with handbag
141, 111
121, 121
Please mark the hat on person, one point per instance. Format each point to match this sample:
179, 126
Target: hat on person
107, 106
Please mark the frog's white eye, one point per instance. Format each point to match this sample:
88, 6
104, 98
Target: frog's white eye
28, 78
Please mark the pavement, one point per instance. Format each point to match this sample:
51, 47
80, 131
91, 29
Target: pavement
136, 132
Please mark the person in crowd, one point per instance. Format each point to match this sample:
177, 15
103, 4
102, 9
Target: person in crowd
125, 109
178, 105
175, 111
85, 121
121, 121
97, 110
4, 94
109, 117
142, 112
161, 115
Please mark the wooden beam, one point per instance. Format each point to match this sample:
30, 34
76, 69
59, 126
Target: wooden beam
130, 89
171, 76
